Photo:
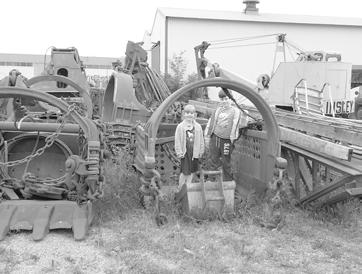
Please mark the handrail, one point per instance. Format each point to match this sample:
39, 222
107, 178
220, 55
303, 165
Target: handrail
306, 96
295, 101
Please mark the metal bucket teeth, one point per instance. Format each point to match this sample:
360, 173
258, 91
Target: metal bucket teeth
41, 223
6, 215
42, 216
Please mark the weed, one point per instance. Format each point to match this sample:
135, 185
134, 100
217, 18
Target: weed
77, 270
330, 248
346, 213
34, 258
53, 267
120, 193
100, 242
9, 259
69, 259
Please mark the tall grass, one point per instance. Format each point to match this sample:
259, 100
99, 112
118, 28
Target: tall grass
121, 190
347, 213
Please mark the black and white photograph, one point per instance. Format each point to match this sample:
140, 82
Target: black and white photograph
172, 137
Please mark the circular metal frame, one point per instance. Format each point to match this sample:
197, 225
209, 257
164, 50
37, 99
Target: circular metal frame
57, 78
87, 125
271, 124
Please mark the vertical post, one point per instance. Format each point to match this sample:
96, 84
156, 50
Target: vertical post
331, 99
284, 55
295, 157
306, 95
315, 174
275, 58
328, 175
295, 102
203, 190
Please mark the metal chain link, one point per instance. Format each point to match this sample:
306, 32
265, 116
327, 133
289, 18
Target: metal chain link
49, 141
171, 154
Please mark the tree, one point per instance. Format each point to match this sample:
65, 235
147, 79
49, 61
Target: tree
176, 79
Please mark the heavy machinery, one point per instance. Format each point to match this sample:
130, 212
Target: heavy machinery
322, 76
52, 150
323, 153
53, 145
133, 93
140, 111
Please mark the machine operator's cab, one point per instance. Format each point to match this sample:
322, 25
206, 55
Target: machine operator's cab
66, 63
64, 77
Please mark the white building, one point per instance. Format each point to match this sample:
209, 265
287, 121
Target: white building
178, 30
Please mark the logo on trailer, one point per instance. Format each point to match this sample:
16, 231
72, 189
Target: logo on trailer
339, 107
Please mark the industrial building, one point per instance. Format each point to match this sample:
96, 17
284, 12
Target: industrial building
245, 41
98, 69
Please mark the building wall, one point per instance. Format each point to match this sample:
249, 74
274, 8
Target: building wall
251, 61
98, 69
27, 71
159, 34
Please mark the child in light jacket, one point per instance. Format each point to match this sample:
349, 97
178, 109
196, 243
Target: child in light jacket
189, 145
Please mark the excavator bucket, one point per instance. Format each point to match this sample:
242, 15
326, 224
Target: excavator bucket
205, 196
40, 216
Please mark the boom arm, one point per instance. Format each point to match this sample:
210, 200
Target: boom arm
215, 70
204, 66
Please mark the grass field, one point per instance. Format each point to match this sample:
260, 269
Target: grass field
125, 239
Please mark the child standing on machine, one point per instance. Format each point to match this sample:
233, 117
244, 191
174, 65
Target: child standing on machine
189, 145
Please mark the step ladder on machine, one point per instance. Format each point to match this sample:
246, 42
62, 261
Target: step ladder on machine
207, 197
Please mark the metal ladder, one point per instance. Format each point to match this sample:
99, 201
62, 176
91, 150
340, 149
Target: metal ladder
205, 198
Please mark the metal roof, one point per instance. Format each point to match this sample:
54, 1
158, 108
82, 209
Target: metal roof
257, 17
39, 59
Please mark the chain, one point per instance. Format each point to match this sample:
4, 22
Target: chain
28, 177
171, 154
49, 141
227, 92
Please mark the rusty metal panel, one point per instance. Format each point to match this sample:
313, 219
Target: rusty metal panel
168, 169
248, 161
42, 216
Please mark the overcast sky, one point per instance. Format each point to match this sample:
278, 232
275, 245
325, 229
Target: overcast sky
102, 28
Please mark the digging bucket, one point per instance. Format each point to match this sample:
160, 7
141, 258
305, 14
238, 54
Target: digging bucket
40, 216
192, 202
